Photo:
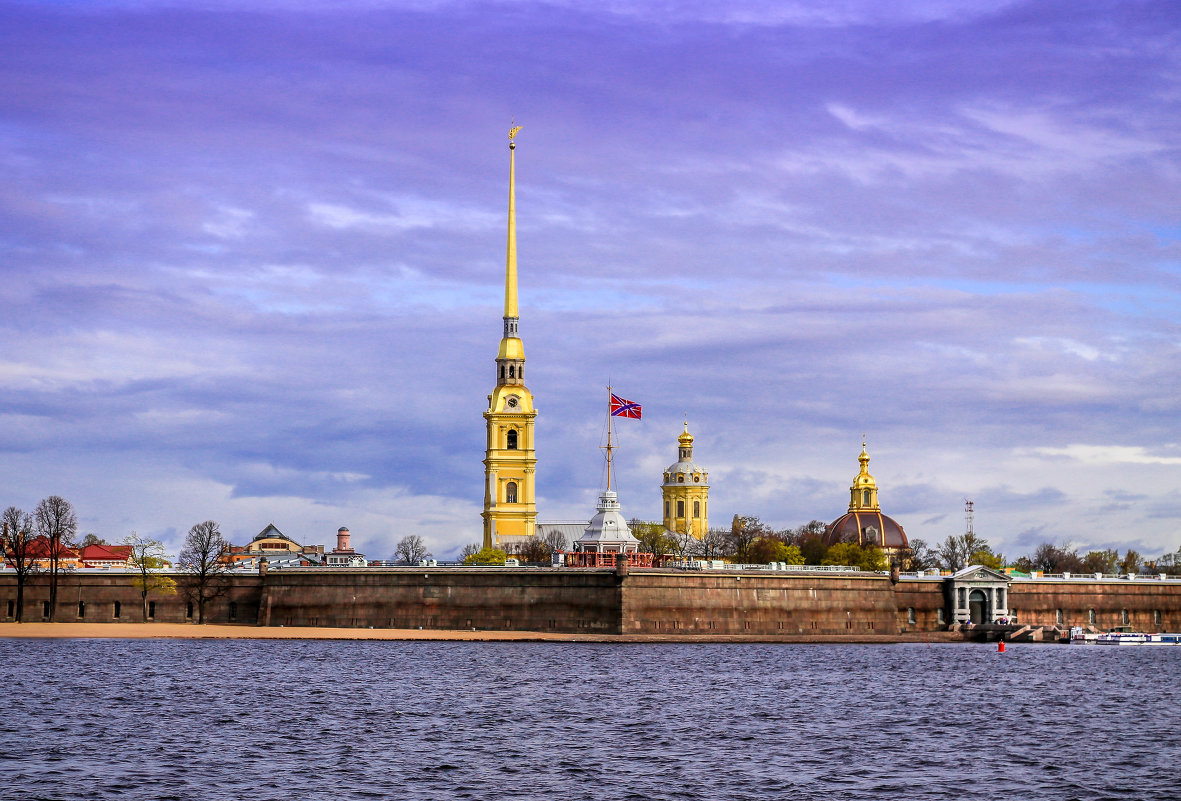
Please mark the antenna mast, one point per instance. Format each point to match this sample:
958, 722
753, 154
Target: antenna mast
970, 516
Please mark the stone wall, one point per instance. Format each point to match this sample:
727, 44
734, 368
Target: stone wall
1151, 605
96, 596
600, 601
527, 599
749, 602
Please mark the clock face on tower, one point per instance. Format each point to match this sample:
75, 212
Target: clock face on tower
511, 401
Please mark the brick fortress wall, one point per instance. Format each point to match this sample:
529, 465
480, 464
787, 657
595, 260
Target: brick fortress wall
601, 601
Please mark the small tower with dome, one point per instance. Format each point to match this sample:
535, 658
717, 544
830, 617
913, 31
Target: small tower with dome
685, 491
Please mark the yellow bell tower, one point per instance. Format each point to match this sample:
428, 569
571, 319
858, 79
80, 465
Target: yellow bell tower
863, 495
510, 507
685, 491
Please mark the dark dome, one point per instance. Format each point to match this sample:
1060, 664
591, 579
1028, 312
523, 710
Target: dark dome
864, 527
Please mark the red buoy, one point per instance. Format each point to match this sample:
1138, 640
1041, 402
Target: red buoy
1000, 647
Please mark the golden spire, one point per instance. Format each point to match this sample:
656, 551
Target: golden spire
510, 269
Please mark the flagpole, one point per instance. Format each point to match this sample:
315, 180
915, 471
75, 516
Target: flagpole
609, 421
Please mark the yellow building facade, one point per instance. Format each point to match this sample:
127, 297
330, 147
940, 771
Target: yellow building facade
510, 460
685, 491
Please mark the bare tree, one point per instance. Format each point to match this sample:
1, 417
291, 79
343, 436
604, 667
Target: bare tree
713, 545
410, 549
17, 545
471, 549
556, 540
55, 521
205, 573
147, 557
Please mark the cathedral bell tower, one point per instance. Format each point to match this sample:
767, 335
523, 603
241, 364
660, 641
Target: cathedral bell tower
510, 508
685, 491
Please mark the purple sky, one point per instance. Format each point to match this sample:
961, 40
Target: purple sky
252, 260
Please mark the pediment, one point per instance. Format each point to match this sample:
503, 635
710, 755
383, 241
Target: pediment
981, 574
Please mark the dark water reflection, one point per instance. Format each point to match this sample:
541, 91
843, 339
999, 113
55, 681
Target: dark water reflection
340, 720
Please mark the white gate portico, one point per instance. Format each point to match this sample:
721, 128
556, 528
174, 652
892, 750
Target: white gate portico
978, 594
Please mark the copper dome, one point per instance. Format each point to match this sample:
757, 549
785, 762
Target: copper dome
866, 527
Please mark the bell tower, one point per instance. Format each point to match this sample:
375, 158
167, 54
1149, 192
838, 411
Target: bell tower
510, 508
685, 491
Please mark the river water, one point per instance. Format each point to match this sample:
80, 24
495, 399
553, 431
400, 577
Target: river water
260, 719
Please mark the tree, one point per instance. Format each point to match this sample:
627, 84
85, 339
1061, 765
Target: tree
206, 575
55, 520
960, 550
1105, 561
1131, 563
653, 537
867, 557
92, 539
743, 532
814, 529
486, 556
713, 545
147, 559
813, 549
919, 556
534, 551
468, 550
17, 546
769, 549
556, 540
1051, 558
410, 550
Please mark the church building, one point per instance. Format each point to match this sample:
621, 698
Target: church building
686, 491
864, 523
510, 508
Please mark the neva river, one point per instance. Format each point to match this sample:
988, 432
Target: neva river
259, 719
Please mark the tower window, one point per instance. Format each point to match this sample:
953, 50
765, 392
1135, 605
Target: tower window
665, 512
502, 371
512, 440
511, 372
680, 478
865, 498
510, 492
697, 508
680, 508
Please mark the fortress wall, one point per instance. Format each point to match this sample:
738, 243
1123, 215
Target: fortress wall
445, 598
926, 598
757, 603
599, 601
1038, 602
99, 591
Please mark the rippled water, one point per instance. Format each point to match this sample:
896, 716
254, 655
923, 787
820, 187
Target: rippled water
194, 719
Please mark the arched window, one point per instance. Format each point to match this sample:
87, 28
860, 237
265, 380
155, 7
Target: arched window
502, 371
865, 498
510, 492
697, 508
512, 372
680, 478
512, 440
666, 508
680, 508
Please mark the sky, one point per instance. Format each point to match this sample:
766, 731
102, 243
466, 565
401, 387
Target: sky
252, 261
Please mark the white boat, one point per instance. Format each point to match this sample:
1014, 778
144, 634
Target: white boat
1079, 636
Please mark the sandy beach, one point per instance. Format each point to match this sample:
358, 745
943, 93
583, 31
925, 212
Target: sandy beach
193, 631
